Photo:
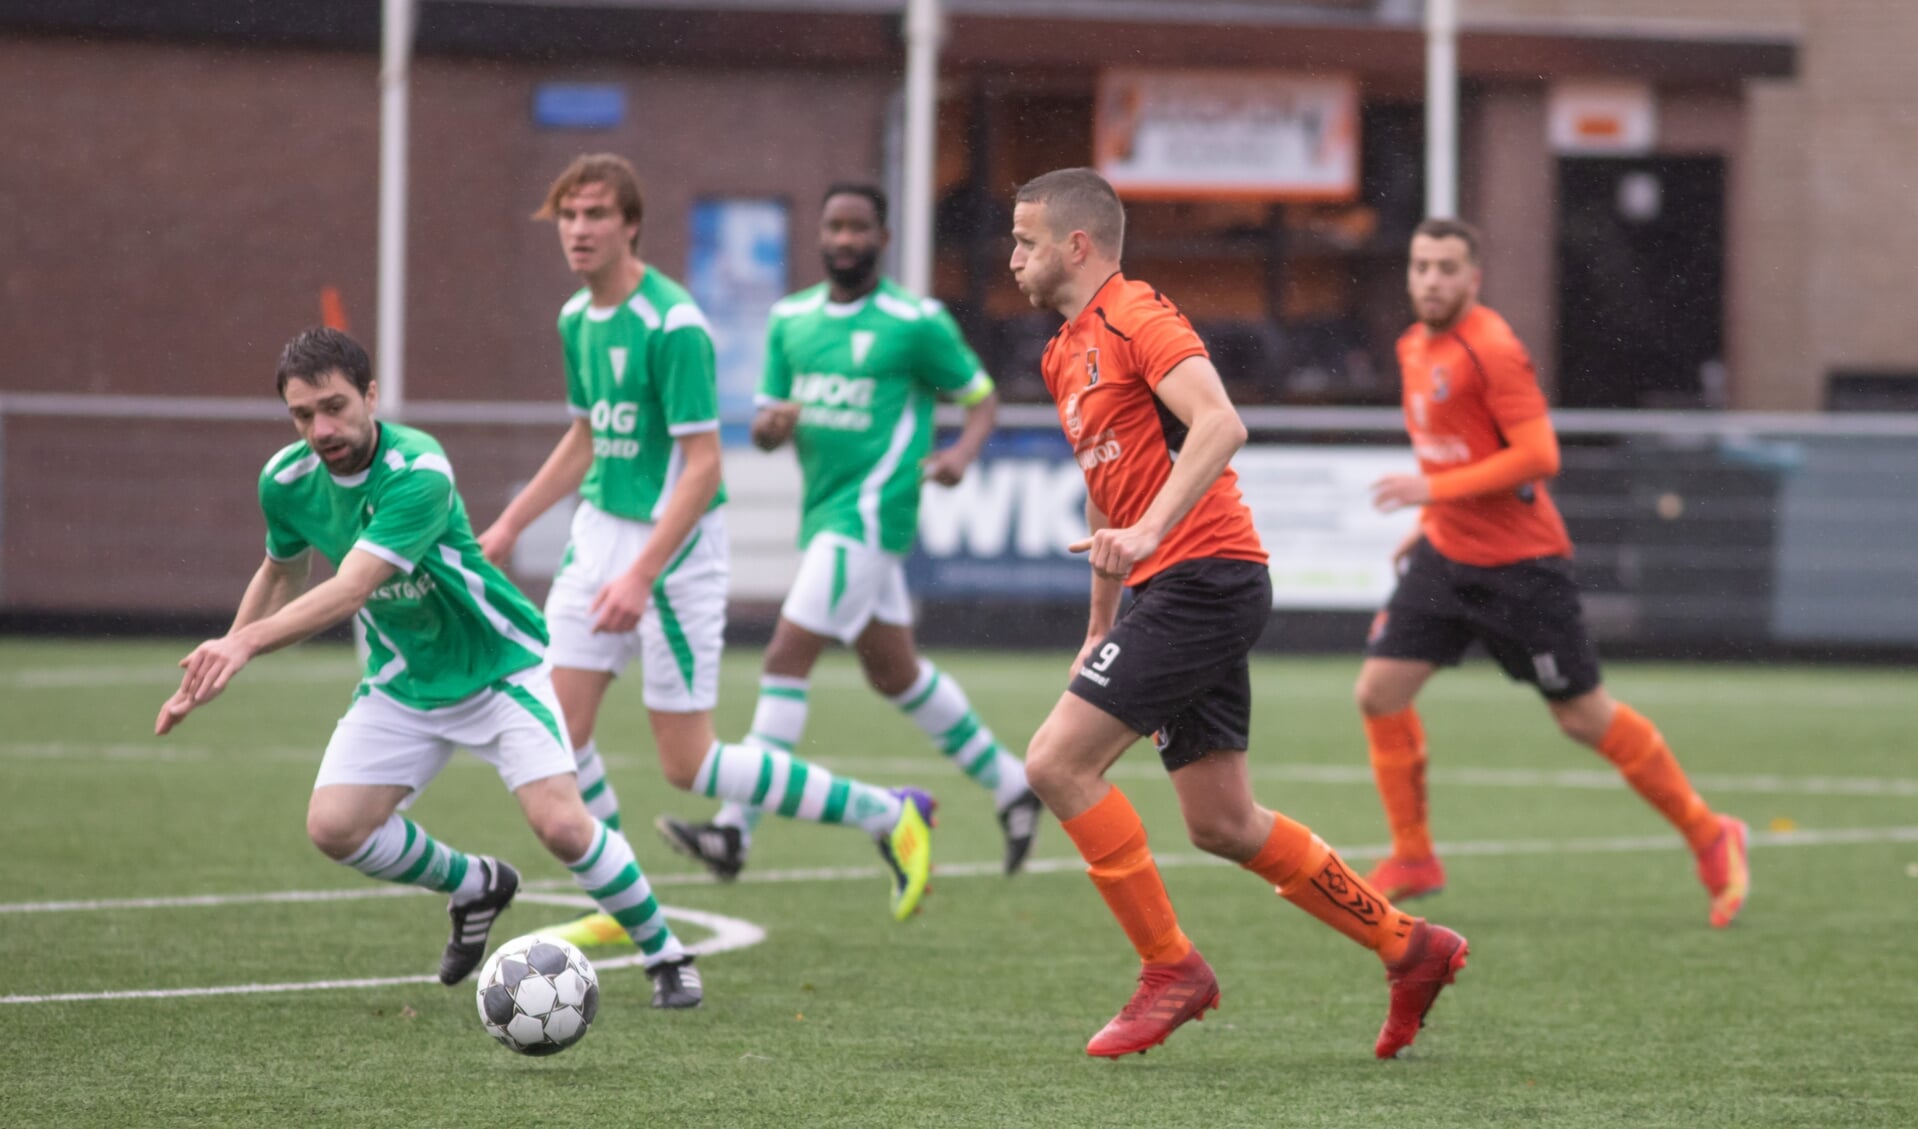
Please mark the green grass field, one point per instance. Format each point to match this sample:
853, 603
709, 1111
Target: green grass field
1597, 995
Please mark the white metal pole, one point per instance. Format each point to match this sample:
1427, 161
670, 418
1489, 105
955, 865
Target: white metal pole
1441, 108
396, 58
925, 29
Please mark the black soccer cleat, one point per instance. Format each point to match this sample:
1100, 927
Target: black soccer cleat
473, 920
722, 849
676, 984
1020, 821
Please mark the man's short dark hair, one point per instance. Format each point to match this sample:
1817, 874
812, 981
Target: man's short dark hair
313, 354
1079, 200
871, 192
1453, 229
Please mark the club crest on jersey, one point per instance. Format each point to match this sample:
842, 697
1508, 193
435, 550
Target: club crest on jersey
1092, 367
1441, 384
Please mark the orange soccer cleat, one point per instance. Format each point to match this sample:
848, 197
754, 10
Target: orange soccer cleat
1403, 879
1168, 995
1725, 869
1433, 957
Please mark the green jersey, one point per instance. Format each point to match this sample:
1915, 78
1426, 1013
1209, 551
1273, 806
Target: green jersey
448, 624
864, 375
642, 374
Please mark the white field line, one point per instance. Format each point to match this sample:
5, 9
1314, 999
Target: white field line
1272, 682
727, 934
554, 891
1346, 774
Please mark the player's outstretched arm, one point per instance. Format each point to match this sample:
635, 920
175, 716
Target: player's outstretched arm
1531, 455
214, 663
558, 476
948, 467
276, 584
1193, 392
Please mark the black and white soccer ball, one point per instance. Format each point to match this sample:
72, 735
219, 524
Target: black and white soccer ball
538, 994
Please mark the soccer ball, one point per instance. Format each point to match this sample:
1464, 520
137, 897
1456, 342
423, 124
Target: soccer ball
537, 994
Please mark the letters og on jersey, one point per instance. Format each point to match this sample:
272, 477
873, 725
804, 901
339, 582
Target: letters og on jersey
1102, 369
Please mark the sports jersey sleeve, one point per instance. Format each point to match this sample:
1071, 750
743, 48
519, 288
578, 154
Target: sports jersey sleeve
947, 363
1511, 386
282, 543
1160, 341
411, 513
776, 381
690, 382
577, 402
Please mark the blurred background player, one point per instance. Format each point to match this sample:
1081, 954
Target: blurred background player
1490, 560
645, 572
456, 656
852, 368
1154, 432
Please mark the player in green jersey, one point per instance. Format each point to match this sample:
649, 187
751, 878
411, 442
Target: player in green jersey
456, 657
853, 366
645, 573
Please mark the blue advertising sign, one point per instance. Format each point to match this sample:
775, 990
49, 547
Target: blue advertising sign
575, 105
736, 270
1003, 531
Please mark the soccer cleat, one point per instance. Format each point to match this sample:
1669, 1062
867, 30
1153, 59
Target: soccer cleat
1020, 822
473, 920
591, 931
1725, 869
1431, 961
1403, 879
907, 849
1167, 996
722, 849
676, 984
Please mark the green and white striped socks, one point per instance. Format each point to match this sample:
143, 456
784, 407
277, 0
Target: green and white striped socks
938, 706
610, 875
594, 788
401, 852
780, 782
779, 721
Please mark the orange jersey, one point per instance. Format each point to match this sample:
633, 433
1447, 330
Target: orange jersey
1102, 368
1462, 389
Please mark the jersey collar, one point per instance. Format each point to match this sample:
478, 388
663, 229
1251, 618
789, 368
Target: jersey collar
601, 313
1095, 309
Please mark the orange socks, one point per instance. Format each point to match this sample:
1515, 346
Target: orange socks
1111, 839
1634, 744
1398, 764
1311, 875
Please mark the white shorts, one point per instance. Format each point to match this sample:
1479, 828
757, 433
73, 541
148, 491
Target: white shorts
515, 726
843, 585
677, 641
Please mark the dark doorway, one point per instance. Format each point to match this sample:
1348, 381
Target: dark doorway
1641, 266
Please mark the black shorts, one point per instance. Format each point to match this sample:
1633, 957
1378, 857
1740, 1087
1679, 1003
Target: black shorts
1527, 614
1175, 665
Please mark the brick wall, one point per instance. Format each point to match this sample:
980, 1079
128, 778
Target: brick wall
184, 205
1860, 147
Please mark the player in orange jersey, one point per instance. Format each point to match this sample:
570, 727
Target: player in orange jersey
1490, 560
1153, 430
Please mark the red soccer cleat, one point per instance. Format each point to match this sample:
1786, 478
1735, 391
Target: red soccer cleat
1725, 869
1168, 995
1433, 959
1403, 879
